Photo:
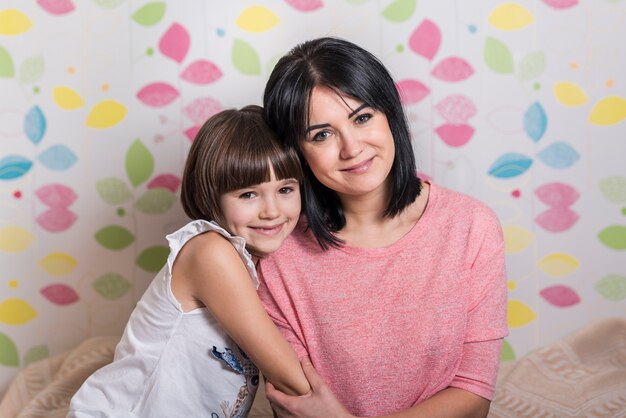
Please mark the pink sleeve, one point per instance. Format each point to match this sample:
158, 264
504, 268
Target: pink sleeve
486, 323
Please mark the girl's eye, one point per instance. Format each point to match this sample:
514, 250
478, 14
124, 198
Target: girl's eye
247, 195
361, 119
285, 190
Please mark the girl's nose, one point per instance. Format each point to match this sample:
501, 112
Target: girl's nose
269, 209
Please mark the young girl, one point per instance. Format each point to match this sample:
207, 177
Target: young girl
191, 345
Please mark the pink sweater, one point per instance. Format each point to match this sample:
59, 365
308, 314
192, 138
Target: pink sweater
389, 327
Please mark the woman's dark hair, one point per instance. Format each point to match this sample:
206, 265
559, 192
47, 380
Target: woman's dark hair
234, 149
350, 71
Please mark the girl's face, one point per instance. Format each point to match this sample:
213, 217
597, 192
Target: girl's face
263, 214
348, 145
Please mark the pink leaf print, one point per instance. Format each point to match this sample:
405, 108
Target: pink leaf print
305, 5
561, 4
456, 109
165, 181
56, 7
201, 72
453, 69
192, 132
157, 94
60, 294
560, 296
56, 219
557, 219
411, 91
175, 43
426, 39
56, 195
455, 135
558, 195
201, 109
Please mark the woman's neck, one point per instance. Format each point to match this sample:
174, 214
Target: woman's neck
368, 227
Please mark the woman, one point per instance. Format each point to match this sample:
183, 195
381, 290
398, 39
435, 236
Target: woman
393, 287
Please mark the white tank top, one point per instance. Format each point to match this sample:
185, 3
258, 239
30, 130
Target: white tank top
170, 363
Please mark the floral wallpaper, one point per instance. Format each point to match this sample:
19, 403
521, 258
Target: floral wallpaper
519, 103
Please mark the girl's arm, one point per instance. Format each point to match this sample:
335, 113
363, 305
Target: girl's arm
209, 269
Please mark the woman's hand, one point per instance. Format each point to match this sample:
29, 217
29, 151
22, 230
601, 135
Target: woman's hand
319, 402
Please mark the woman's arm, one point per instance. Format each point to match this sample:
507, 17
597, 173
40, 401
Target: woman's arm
320, 402
209, 269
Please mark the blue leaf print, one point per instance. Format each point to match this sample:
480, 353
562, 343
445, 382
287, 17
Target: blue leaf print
14, 166
35, 125
510, 165
57, 157
535, 121
559, 155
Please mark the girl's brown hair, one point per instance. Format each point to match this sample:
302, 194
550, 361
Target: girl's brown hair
234, 149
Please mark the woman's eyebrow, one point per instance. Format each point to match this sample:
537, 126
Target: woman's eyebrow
357, 110
313, 127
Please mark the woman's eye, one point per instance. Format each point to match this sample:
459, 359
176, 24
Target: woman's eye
320, 136
362, 118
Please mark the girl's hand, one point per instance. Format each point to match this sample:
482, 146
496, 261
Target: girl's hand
319, 402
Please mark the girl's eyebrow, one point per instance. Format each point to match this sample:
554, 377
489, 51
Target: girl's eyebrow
325, 125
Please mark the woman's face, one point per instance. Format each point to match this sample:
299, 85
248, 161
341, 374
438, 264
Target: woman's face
348, 145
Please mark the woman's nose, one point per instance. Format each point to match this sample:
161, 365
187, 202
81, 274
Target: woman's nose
351, 146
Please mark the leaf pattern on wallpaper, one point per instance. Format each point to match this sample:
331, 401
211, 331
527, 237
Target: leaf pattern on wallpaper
201, 72
612, 287
558, 264
14, 166
559, 155
399, 10
305, 5
608, 111
67, 98
614, 237
426, 39
453, 69
56, 219
32, 69
153, 258
257, 18
510, 17
569, 94
60, 294
167, 181
56, 7
114, 237
36, 353
112, 286
57, 157
35, 125
113, 191
535, 121
155, 201
15, 239
560, 296
58, 264
532, 65
106, 114
14, 22
157, 94
16, 311
175, 42
519, 313
613, 188
139, 163
245, 58
8, 352
498, 56
150, 13
511, 164
7, 68
412, 91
